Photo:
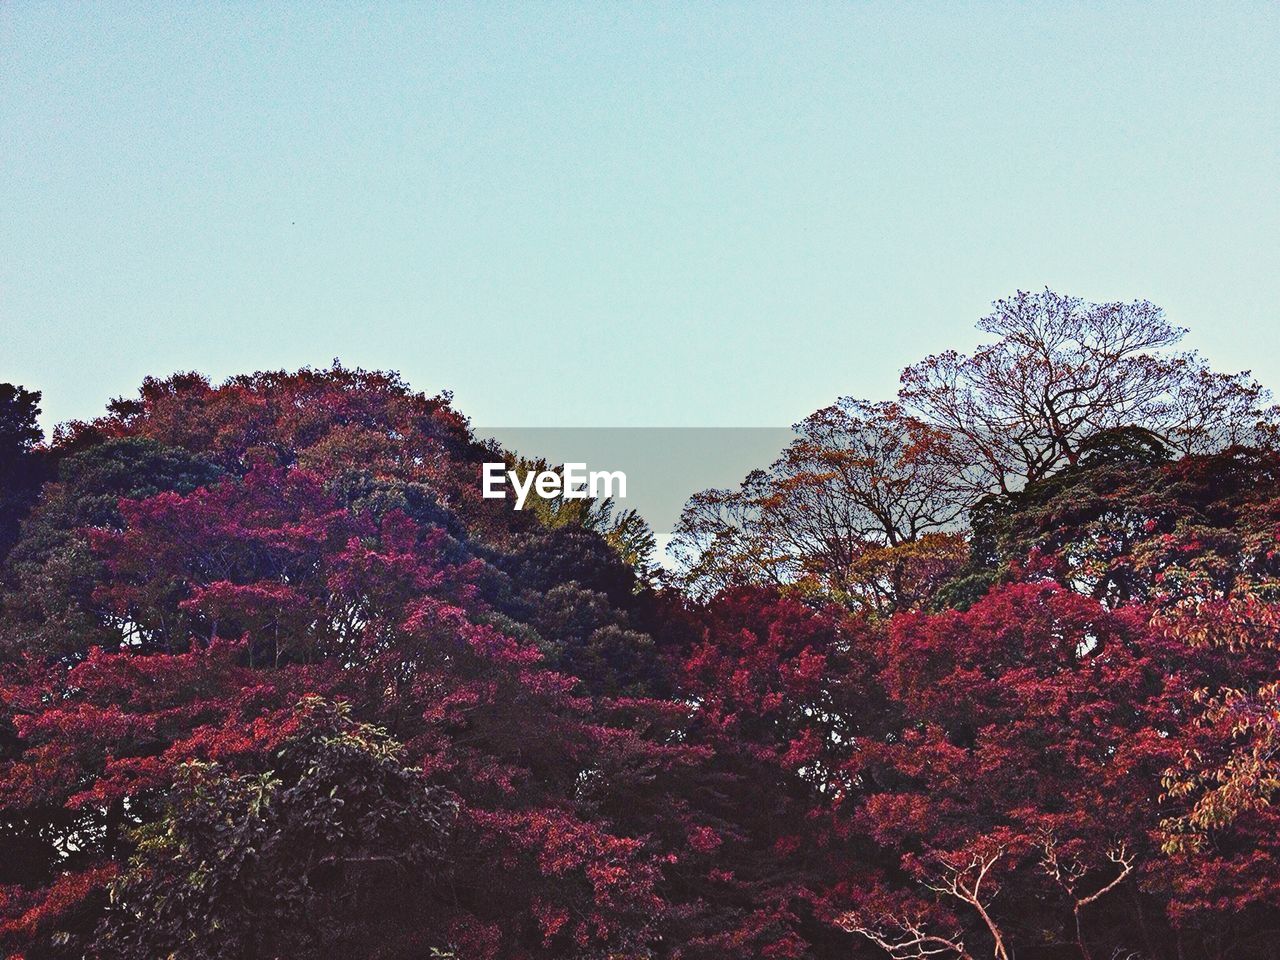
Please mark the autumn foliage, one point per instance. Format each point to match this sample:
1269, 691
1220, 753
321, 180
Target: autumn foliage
986, 671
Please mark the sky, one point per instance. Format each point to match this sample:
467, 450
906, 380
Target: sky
620, 214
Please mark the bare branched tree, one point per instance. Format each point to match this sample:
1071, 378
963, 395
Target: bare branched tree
963, 878
1069, 873
1063, 370
858, 477
904, 938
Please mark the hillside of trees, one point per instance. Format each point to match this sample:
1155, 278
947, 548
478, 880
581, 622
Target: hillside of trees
989, 669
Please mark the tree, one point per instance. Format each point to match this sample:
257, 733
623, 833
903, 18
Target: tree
323, 852
1014, 805
247, 545
781, 691
1149, 531
859, 506
1191, 542
48, 598
21, 470
1063, 370
624, 530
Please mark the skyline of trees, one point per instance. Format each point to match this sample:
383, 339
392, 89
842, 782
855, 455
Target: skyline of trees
868, 498
990, 670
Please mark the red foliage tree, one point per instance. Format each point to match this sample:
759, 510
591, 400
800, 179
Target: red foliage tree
223, 606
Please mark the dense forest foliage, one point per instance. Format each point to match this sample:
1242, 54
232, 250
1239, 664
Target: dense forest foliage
988, 670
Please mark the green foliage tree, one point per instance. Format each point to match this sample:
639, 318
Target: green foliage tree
47, 597
300, 860
624, 530
21, 469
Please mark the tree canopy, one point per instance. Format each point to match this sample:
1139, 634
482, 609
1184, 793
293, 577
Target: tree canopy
988, 670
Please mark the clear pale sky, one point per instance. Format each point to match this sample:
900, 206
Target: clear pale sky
620, 214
